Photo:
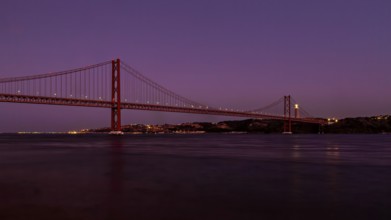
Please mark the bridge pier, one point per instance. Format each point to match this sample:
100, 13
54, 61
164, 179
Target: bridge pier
116, 97
321, 129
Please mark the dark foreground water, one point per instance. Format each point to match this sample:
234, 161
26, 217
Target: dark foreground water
184, 177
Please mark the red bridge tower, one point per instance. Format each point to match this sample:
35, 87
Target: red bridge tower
287, 115
116, 96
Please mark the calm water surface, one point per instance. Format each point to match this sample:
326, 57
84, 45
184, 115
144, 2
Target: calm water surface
203, 176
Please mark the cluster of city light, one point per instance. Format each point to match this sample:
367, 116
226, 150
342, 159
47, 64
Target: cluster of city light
382, 117
332, 120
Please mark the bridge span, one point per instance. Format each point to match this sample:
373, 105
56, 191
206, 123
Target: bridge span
117, 86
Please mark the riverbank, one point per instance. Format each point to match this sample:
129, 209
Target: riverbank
360, 125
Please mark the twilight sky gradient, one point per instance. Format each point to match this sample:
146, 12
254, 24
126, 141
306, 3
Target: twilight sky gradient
333, 56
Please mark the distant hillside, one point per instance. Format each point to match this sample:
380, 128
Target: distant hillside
249, 125
361, 125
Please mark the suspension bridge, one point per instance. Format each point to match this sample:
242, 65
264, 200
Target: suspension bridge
117, 86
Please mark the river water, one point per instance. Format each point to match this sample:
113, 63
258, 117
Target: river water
195, 176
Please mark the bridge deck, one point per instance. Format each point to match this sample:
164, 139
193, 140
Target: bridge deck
149, 107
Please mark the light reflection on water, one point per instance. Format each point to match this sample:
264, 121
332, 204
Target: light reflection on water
330, 149
296, 154
332, 154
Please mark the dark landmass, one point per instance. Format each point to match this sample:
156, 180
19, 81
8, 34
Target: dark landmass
360, 125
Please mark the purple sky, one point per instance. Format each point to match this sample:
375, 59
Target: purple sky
333, 56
